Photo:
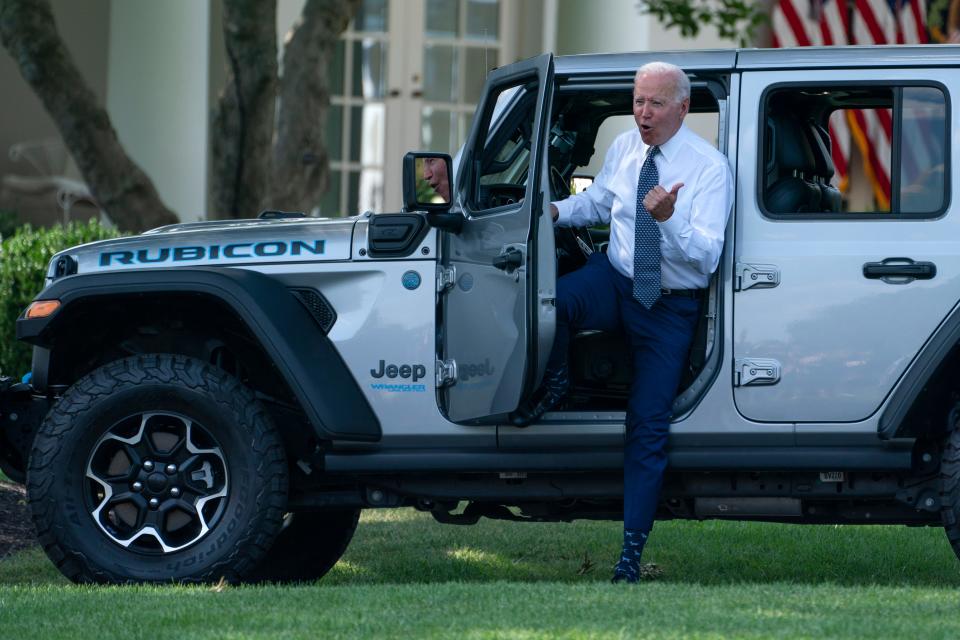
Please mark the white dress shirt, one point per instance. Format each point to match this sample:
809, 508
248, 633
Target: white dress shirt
692, 238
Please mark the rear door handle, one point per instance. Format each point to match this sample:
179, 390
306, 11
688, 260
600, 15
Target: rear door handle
899, 270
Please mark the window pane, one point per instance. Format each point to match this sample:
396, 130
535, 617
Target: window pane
922, 151
371, 16
371, 190
479, 62
353, 194
871, 130
336, 70
442, 18
369, 68
356, 133
440, 73
505, 159
436, 129
818, 158
372, 133
482, 19
334, 135
330, 202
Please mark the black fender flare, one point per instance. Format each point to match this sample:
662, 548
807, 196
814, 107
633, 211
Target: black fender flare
305, 357
932, 357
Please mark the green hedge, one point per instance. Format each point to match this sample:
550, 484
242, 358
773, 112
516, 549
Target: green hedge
23, 266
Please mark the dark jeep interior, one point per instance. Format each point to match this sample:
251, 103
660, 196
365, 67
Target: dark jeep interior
798, 170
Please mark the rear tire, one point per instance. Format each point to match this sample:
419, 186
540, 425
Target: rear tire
308, 546
950, 489
157, 468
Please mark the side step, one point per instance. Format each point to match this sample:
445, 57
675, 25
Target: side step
747, 507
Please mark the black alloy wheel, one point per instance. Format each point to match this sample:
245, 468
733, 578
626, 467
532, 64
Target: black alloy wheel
157, 482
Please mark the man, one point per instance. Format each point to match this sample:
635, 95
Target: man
666, 194
435, 173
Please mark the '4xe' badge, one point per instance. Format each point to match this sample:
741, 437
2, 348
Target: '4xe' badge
411, 280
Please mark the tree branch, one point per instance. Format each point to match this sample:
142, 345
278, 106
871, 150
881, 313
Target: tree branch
301, 164
242, 128
733, 19
121, 188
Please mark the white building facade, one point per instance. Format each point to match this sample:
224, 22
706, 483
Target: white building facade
407, 75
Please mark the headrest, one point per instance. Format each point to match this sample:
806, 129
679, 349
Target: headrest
820, 140
791, 147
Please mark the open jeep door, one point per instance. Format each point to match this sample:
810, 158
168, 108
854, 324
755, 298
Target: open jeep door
499, 316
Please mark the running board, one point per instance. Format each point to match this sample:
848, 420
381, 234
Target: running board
706, 459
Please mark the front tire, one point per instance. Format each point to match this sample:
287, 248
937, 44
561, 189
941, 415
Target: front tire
157, 468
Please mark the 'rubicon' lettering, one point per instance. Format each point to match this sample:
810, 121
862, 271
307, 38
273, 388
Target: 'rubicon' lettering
235, 251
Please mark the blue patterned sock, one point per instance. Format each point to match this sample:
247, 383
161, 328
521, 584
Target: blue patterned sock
628, 567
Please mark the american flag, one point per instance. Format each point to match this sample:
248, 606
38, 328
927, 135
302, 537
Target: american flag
804, 23
801, 23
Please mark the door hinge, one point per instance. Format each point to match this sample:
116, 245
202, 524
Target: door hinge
755, 372
761, 276
446, 373
446, 277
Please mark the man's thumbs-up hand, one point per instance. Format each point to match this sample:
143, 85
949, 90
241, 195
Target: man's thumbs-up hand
659, 202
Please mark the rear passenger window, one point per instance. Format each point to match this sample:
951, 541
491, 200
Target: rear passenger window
843, 150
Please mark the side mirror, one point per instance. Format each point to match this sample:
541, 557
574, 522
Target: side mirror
427, 187
427, 182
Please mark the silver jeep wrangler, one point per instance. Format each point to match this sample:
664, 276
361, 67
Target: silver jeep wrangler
223, 398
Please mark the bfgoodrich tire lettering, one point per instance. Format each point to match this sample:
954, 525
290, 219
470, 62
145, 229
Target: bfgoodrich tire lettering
110, 502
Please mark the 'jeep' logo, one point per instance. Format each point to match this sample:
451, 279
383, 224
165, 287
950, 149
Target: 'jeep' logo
467, 371
414, 371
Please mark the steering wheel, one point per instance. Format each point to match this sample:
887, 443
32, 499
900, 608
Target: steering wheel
574, 246
501, 194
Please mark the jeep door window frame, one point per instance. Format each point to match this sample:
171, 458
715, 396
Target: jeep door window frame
498, 126
896, 166
718, 85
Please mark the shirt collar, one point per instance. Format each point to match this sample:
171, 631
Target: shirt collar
671, 147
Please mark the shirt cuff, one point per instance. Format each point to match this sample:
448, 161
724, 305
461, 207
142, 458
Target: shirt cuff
672, 227
564, 208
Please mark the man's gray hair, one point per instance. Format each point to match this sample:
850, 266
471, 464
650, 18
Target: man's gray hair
680, 80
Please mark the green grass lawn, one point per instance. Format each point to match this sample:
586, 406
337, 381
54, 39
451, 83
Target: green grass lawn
406, 576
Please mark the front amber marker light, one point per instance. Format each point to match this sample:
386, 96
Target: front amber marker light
42, 308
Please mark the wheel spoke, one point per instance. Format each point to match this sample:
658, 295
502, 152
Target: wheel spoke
157, 482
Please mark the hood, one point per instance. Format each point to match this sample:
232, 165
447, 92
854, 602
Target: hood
221, 243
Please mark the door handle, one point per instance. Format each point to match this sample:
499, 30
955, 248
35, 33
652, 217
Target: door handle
899, 270
509, 260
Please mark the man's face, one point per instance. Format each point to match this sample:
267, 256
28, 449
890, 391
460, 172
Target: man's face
435, 173
656, 109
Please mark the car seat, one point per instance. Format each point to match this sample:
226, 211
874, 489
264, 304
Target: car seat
790, 167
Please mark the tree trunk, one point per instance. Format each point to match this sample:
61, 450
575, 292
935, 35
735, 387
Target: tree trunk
243, 123
121, 188
301, 164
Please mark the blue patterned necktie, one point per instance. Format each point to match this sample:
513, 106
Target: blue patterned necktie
646, 248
